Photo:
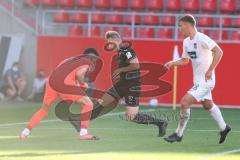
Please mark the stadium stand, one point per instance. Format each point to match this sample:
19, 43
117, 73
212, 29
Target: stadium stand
155, 19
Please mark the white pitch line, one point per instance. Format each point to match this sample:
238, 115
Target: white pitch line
220, 154
56, 120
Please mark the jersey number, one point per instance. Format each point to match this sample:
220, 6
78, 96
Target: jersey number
193, 55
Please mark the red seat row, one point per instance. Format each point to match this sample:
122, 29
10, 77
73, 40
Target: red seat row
170, 5
116, 18
163, 33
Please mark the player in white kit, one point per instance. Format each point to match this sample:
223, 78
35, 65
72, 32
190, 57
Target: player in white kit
205, 55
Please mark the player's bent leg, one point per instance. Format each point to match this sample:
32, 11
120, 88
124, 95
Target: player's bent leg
87, 107
34, 121
141, 118
186, 102
217, 116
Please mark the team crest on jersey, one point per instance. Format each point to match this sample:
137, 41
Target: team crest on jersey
195, 45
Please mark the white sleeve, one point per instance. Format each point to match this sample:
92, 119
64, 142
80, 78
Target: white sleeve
184, 53
207, 42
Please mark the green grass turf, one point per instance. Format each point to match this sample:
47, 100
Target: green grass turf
57, 140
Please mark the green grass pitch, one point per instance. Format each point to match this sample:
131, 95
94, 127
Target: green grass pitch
120, 140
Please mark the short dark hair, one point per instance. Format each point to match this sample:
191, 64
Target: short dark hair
189, 19
91, 51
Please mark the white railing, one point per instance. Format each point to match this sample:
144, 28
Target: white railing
49, 26
40, 20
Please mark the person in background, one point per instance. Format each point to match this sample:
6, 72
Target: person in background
15, 83
38, 87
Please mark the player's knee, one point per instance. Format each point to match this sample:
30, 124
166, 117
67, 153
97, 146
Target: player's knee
184, 104
46, 108
85, 101
207, 106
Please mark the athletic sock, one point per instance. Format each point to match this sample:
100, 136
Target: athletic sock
98, 108
85, 116
36, 118
146, 119
26, 132
83, 131
184, 117
217, 116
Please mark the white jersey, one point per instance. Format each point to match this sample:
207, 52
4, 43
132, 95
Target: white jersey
199, 51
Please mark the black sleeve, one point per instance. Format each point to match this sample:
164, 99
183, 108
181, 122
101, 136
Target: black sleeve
128, 55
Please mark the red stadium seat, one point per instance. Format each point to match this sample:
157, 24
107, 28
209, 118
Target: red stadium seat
191, 5
137, 19
155, 5
209, 5
180, 35
226, 22
174, 5
75, 31
80, 18
98, 18
61, 17
236, 22
67, 3
103, 3
146, 33
109, 28
216, 35
31, 2
235, 35
95, 31
168, 20
120, 4
126, 32
205, 31
115, 18
50, 3
137, 4
205, 22
150, 20
84, 3
227, 5
165, 33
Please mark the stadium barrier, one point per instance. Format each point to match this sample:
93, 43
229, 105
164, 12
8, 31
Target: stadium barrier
52, 50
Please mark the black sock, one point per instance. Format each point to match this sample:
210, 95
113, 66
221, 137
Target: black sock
98, 108
146, 119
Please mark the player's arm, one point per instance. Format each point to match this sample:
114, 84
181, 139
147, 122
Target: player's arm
217, 55
180, 62
80, 74
134, 65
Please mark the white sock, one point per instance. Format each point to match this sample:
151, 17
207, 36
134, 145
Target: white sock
217, 116
184, 117
26, 132
83, 131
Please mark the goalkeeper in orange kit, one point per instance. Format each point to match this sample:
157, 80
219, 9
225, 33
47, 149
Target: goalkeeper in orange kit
74, 78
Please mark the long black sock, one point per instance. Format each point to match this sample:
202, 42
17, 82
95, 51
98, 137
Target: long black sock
146, 119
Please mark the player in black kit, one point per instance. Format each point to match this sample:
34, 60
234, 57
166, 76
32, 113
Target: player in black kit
127, 82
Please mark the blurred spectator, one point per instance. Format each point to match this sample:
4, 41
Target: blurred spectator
14, 83
38, 87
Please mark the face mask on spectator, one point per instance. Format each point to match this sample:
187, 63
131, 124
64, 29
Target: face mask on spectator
15, 68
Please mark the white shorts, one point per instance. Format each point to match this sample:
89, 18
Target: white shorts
202, 91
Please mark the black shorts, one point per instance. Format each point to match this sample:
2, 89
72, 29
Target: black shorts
129, 90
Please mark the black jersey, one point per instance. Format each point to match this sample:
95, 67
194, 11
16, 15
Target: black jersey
125, 55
